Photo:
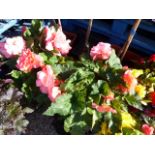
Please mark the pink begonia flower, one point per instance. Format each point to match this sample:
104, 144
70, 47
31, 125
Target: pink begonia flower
12, 47
101, 51
45, 79
48, 35
61, 43
56, 40
54, 93
47, 82
109, 97
147, 130
130, 81
103, 108
28, 60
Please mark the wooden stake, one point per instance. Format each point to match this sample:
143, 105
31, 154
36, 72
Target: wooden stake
129, 39
88, 33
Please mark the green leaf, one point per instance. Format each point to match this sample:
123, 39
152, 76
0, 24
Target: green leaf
44, 56
131, 131
95, 117
36, 25
27, 90
89, 64
96, 87
27, 33
101, 87
79, 100
62, 106
42, 99
114, 61
68, 122
119, 106
79, 128
53, 60
78, 123
105, 89
134, 102
16, 74
79, 80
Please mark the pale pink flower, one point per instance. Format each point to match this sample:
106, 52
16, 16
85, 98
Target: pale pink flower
45, 79
101, 51
28, 60
47, 82
48, 35
56, 40
54, 93
61, 43
12, 47
38, 61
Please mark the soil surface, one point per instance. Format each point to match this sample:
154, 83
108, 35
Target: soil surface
43, 125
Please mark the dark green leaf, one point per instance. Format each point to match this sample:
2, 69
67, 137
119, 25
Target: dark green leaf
134, 102
27, 33
79, 99
131, 131
79, 80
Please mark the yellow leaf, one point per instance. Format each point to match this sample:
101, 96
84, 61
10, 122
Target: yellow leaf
137, 72
127, 120
104, 129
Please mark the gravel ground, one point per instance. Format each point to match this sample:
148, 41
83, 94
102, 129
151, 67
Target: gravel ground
43, 125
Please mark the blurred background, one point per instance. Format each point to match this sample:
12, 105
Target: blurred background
114, 31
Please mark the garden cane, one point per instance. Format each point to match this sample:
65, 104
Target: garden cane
129, 40
88, 33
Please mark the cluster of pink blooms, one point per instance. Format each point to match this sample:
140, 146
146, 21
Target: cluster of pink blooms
101, 51
27, 60
47, 82
56, 40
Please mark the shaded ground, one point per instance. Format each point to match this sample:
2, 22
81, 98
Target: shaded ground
43, 125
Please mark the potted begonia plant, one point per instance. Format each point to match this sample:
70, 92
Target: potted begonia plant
94, 94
